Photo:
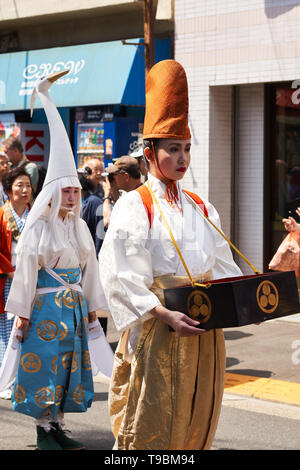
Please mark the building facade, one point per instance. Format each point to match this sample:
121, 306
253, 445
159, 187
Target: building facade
31, 24
102, 99
243, 61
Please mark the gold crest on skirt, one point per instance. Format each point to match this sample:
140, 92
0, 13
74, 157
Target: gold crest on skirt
47, 330
44, 397
31, 363
19, 394
78, 395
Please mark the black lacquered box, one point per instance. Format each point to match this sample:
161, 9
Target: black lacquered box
238, 301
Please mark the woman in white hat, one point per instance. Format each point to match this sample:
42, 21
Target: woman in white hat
54, 295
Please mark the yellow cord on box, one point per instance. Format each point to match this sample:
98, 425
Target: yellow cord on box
224, 236
194, 283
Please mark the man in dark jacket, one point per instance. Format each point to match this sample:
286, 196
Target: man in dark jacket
92, 211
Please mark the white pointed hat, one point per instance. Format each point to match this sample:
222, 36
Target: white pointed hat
61, 172
61, 159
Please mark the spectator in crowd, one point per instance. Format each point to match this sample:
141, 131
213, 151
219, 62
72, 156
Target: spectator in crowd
14, 150
96, 167
123, 175
139, 156
91, 211
4, 168
13, 215
92, 214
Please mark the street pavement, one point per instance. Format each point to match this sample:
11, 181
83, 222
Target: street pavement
260, 359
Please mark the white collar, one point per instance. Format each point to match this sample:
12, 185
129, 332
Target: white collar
159, 189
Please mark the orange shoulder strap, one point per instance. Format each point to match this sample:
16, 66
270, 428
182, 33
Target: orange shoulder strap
148, 202
197, 199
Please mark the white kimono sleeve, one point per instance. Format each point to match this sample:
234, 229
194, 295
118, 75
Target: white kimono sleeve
125, 263
90, 283
225, 265
23, 288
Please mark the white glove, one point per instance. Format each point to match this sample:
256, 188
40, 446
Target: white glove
95, 330
17, 337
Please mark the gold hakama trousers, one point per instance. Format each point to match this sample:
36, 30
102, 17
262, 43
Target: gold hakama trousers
169, 397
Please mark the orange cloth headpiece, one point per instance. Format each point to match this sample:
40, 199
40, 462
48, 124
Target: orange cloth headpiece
167, 102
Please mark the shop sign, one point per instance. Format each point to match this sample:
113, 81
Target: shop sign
289, 98
35, 140
33, 72
100, 74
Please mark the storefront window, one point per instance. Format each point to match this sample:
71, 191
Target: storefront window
284, 157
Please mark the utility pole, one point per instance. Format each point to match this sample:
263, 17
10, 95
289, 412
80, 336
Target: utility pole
149, 35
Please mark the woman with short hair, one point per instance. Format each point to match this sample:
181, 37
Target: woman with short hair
13, 215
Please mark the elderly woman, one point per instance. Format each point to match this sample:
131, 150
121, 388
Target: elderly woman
13, 214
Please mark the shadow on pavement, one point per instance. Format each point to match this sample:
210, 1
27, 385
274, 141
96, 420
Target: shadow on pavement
102, 396
99, 440
231, 335
252, 372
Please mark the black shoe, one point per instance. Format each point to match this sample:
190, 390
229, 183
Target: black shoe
45, 440
65, 442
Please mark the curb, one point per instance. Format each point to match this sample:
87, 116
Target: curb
263, 388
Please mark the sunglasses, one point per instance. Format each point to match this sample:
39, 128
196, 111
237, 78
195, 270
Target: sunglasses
112, 175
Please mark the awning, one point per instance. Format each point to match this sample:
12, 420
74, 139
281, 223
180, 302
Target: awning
100, 74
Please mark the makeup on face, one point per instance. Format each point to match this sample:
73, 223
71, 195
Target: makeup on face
172, 159
69, 198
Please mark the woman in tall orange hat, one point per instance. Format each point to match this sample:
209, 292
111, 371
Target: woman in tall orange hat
167, 384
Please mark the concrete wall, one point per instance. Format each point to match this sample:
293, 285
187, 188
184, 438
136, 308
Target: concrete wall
220, 151
222, 44
31, 24
21, 9
250, 170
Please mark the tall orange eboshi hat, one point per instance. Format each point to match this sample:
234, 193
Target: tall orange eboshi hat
167, 102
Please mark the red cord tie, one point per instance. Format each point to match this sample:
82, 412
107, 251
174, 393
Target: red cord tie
171, 194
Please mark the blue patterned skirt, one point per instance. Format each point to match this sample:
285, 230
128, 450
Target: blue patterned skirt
54, 371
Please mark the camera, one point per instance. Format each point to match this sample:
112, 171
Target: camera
109, 175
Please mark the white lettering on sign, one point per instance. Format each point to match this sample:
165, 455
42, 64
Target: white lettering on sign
296, 354
33, 72
295, 95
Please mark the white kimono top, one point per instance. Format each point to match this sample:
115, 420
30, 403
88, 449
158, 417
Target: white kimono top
132, 255
35, 256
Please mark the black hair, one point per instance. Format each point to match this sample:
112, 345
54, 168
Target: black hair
148, 143
136, 174
10, 177
86, 183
